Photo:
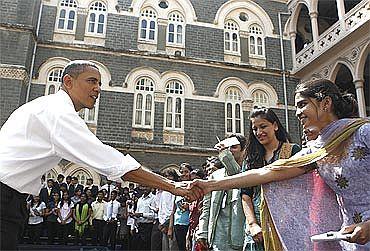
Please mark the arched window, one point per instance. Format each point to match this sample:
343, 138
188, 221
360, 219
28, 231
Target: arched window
67, 15
174, 106
175, 29
51, 175
82, 176
148, 25
233, 111
256, 41
53, 81
231, 31
144, 103
260, 98
97, 18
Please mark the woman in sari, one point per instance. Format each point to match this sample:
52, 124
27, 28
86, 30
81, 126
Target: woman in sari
340, 154
268, 141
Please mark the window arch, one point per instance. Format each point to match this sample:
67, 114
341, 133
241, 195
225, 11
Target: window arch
97, 18
176, 29
67, 15
148, 25
260, 97
256, 41
233, 111
53, 81
82, 176
144, 103
174, 106
231, 36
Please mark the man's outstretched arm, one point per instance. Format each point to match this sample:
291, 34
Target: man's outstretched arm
150, 179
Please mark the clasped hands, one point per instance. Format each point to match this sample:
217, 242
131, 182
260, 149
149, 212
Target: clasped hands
191, 190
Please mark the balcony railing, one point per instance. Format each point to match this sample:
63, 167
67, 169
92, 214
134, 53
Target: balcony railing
356, 17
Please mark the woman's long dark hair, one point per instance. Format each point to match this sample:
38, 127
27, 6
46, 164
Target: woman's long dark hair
255, 150
344, 105
68, 200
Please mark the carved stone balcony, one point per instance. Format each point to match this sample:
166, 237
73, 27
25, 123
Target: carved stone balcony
355, 18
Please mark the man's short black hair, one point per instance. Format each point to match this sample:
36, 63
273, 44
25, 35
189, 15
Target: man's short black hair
76, 67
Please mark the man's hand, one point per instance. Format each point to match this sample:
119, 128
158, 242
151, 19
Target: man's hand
256, 232
201, 244
360, 233
189, 193
201, 185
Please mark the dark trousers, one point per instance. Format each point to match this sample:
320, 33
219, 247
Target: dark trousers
98, 232
52, 231
180, 234
110, 229
144, 236
65, 230
13, 214
156, 238
34, 231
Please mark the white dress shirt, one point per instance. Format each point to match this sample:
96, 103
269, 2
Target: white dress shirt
111, 210
40, 133
144, 206
165, 207
98, 210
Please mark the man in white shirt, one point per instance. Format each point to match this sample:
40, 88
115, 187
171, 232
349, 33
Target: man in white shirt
40, 133
109, 187
97, 218
145, 215
110, 217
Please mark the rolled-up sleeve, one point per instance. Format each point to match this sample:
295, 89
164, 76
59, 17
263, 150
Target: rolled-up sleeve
73, 141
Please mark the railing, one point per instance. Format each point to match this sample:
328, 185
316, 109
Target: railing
357, 16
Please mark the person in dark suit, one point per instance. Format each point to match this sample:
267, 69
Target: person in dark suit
46, 192
74, 186
89, 185
59, 182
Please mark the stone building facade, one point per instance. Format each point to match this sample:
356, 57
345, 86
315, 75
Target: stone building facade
175, 73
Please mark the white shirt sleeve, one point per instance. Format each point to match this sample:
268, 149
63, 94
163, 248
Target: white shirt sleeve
72, 140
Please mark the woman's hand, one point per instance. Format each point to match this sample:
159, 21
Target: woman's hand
360, 233
256, 232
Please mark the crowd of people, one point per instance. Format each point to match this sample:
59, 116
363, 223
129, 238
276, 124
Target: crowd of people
261, 193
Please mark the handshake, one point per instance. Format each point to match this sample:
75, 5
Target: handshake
192, 190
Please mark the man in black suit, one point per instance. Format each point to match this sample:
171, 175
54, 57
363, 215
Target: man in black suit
46, 192
89, 185
74, 185
59, 182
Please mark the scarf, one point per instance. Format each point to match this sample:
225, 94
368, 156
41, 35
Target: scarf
81, 217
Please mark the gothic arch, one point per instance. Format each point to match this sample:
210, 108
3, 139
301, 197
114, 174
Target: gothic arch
49, 64
184, 79
337, 65
265, 87
140, 72
295, 14
360, 66
249, 6
232, 82
183, 6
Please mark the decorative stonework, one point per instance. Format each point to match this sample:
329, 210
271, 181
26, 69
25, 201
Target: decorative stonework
353, 56
159, 96
173, 138
82, 11
142, 134
13, 73
247, 105
232, 58
143, 46
325, 72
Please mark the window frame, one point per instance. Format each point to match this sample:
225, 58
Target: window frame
148, 19
50, 83
263, 93
144, 93
96, 22
231, 31
174, 97
174, 19
256, 35
67, 10
234, 103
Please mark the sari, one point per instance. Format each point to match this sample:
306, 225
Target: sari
328, 199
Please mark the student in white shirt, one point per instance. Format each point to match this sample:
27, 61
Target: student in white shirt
40, 133
98, 222
36, 212
110, 216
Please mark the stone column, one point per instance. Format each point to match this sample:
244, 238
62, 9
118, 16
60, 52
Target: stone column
244, 46
292, 36
341, 11
162, 34
81, 23
315, 28
360, 94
